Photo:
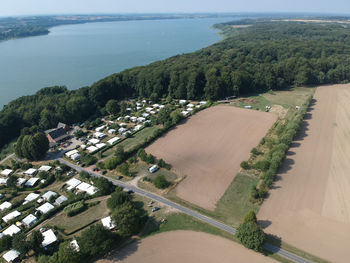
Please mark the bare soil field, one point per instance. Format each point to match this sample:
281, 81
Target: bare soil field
185, 247
209, 147
309, 206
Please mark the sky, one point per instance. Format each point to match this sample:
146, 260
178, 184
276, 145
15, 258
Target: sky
34, 7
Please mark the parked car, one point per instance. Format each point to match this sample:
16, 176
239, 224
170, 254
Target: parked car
153, 169
156, 208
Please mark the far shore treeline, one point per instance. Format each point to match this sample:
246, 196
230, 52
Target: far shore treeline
258, 58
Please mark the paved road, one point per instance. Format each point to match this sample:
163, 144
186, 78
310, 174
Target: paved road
8, 157
208, 220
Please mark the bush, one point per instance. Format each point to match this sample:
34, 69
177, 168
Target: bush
262, 165
124, 169
251, 235
163, 164
75, 208
161, 182
118, 198
245, 165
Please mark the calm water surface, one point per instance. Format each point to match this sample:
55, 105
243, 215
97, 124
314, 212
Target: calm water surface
78, 55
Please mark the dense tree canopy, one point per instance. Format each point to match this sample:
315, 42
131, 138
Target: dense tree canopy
33, 147
263, 56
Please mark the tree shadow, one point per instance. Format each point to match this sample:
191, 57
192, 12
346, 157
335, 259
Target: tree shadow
264, 223
121, 254
272, 244
286, 165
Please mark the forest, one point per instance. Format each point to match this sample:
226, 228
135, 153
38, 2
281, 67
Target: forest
263, 56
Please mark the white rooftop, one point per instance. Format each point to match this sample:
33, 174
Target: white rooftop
6, 172
31, 182
49, 238
99, 135
61, 199
31, 197
3, 180
91, 149
45, 208
73, 182
94, 141
29, 220
70, 153
30, 171
11, 216
11, 230
5, 205
108, 223
113, 140
89, 189
21, 181
45, 168
101, 128
48, 195
100, 145
11, 255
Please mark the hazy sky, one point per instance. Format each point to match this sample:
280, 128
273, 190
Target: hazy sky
25, 7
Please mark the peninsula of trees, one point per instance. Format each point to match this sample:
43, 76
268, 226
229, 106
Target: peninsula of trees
258, 57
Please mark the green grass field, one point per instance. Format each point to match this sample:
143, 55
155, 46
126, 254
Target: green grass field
70, 224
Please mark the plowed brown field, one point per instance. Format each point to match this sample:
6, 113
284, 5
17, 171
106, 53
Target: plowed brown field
185, 247
309, 206
209, 147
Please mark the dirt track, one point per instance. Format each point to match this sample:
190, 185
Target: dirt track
209, 148
185, 247
309, 206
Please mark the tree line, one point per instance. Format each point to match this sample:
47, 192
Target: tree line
264, 56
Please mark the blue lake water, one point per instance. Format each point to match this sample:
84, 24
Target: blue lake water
78, 55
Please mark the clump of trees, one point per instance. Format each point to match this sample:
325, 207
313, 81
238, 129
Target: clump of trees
250, 233
161, 182
32, 146
148, 158
277, 151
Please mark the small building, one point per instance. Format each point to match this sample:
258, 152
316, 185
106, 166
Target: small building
31, 172
3, 181
108, 223
202, 102
48, 195
60, 200
6, 172
101, 128
137, 127
248, 107
11, 230
122, 124
161, 106
66, 127
190, 105
112, 131
94, 141
189, 109
75, 157
45, 208
74, 244
119, 118
145, 115
100, 145
72, 183
121, 130
141, 119
99, 135
125, 134
29, 220
92, 149
70, 153
155, 105
133, 119
153, 168
182, 101
184, 113
11, 256
11, 216
31, 197
21, 181
148, 109
49, 238
5, 205
113, 140
153, 112
56, 135
45, 168
31, 182
87, 188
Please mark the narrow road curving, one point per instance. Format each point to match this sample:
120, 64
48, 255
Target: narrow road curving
281, 252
